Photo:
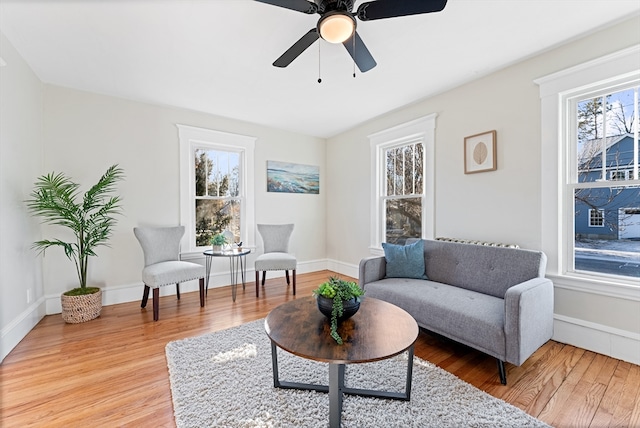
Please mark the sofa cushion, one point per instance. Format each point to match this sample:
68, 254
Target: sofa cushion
468, 317
405, 261
488, 270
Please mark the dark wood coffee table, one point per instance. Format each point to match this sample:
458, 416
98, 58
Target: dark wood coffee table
378, 331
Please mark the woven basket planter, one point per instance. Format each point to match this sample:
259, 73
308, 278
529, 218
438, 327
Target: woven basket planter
77, 309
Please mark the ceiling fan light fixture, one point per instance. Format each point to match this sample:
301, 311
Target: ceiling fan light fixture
336, 27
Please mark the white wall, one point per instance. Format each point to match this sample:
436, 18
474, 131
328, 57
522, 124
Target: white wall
503, 205
86, 132
21, 289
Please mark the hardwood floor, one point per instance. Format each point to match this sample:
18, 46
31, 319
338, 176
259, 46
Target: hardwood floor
112, 371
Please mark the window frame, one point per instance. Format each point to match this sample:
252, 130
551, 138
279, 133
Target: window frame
192, 138
599, 217
419, 130
558, 181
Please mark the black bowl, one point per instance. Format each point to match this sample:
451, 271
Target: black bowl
349, 307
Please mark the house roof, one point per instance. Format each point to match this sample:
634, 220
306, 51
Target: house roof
215, 56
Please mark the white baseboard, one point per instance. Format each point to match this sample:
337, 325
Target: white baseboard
17, 329
114, 295
621, 344
343, 268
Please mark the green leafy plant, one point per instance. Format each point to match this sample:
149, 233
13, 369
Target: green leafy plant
339, 291
218, 239
56, 198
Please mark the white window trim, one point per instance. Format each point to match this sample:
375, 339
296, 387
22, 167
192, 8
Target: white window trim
601, 211
423, 130
555, 89
191, 137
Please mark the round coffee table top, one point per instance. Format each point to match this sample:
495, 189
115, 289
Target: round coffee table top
379, 330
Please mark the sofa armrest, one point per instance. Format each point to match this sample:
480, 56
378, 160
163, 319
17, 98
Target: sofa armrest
372, 269
528, 320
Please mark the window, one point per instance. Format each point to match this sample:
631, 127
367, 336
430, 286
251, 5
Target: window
604, 152
218, 202
596, 218
216, 177
590, 155
403, 197
403, 186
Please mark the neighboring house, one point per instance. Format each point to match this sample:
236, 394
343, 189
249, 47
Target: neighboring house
611, 212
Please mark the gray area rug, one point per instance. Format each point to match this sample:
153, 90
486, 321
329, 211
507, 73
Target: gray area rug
224, 379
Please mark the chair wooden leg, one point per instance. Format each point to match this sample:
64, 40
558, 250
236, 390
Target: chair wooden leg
178, 290
294, 282
145, 296
257, 285
264, 276
286, 274
156, 303
201, 292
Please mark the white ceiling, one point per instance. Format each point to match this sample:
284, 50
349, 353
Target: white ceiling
215, 56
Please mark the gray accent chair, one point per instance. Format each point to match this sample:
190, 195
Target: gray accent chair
162, 264
494, 299
275, 238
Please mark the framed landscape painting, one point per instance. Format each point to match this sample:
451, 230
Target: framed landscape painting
287, 177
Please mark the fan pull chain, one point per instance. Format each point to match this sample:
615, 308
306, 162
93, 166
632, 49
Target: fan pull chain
354, 55
319, 78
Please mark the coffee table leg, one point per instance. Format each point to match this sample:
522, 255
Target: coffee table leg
409, 372
336, 384
274, 364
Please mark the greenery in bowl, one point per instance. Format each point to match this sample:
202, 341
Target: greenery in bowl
90, 217
339, 291
218, 239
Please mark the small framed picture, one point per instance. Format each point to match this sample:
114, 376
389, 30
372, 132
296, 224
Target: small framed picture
480, 153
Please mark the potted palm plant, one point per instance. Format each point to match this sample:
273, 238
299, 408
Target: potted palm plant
90, 217
338, 300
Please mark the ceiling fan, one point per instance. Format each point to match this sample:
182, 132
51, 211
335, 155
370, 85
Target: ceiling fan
337, 23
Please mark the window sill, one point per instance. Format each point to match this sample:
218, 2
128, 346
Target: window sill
611, 287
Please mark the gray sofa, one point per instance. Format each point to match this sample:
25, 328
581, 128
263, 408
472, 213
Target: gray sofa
493, 299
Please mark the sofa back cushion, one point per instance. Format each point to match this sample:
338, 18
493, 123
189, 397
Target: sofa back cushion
485, 269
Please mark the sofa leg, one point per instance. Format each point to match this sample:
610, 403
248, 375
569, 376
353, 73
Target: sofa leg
503, 373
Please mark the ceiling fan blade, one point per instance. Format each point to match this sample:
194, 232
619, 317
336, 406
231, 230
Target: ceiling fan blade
391, 8
298, 47
361, 56
303, 6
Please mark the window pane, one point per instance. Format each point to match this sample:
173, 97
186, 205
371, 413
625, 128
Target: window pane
217, 173
607, 230
404, 170
404, 219
390, 170
418, 170
214, 216
409, 174
620, 112
605, 142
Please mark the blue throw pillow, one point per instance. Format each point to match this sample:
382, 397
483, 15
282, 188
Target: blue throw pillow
405, 261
